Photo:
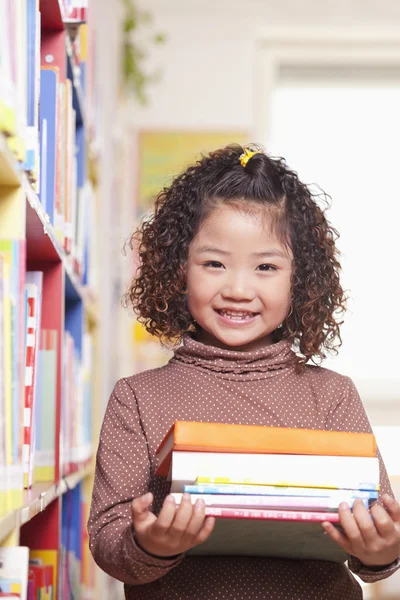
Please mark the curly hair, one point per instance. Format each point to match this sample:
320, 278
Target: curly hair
158, 292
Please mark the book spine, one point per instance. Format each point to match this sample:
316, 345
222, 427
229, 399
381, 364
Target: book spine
29, 383
271, 515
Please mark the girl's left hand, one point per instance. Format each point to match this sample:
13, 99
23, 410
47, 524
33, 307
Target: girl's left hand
375, 542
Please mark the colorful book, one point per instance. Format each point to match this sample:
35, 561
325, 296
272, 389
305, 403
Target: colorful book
270, 490
45, 407
49, 559
33, 286
288, 470
253, 439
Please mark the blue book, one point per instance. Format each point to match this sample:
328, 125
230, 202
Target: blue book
33, 74
266, 490
48, 116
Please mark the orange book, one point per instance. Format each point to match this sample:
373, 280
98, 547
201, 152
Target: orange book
191, 436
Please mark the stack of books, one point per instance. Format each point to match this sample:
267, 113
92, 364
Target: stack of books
270, 487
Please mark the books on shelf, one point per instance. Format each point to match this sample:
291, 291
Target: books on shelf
42, 107
270, 487
12, 308
76, 405
27, 444
46, 354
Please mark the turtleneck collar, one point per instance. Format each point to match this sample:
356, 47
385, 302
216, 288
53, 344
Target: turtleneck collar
254, 364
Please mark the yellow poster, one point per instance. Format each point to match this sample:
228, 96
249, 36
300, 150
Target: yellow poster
165, 154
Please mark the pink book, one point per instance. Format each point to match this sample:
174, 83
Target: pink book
274, 515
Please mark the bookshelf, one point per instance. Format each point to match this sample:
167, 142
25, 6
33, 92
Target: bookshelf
48, 217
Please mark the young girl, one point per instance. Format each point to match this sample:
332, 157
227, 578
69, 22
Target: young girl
239, 264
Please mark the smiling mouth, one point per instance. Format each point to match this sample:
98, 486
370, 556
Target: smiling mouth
237, 315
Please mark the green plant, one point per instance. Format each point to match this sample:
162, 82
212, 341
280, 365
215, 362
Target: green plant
134, 76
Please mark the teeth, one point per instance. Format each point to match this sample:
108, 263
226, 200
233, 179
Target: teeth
236, 314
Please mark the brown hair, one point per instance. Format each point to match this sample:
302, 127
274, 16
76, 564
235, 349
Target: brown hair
158, 292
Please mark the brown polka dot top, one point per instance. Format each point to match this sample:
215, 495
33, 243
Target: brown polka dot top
204, 383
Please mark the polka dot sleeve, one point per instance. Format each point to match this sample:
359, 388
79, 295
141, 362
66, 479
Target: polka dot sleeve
349, 415
122, 473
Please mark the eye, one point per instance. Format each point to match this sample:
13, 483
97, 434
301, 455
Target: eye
266, 267
214, 264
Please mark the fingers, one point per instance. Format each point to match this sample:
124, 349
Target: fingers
140, 509
199, 523
183, 517
205, 531
365, 523
337, 536
186, 525
350, 524
384, 523
166, 516
392, 506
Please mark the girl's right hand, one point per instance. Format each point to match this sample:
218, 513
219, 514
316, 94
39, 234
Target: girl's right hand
174, 530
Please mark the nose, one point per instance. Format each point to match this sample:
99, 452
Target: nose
237, 287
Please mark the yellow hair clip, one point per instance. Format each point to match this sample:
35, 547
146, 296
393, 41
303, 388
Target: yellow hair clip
246, 156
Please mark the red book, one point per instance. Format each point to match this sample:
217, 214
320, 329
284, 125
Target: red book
271, 515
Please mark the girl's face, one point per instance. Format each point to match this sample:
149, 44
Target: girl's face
238, 280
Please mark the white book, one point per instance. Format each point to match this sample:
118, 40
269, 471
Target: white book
14, 566
346, 472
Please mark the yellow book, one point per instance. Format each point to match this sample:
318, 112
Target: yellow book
7, 379
282, 483
7, 118
47, 557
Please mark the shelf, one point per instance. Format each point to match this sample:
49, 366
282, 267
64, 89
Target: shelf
51, 15
10, 175
37, 499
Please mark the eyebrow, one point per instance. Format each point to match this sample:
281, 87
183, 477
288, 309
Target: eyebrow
264, 254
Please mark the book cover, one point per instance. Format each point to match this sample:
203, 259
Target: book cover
221, 437
346, 472
270, 538
47, 558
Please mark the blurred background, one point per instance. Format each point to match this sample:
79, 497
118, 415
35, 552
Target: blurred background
315, 82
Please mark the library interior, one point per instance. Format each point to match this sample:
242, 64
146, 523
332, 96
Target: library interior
102, 104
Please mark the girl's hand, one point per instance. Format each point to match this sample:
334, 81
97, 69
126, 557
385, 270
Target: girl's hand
376, 541
174, 530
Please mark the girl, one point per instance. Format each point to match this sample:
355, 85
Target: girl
239, 264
